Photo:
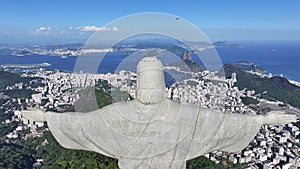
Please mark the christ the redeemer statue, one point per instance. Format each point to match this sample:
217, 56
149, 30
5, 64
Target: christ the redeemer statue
152, 131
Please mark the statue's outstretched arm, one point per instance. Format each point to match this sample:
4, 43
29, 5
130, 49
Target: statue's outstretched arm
73, 130
37, 115
232, 132
278, 118
271, 118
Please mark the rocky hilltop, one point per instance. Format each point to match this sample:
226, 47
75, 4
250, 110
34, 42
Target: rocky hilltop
187, 64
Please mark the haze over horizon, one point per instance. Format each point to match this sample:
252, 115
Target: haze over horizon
40, 22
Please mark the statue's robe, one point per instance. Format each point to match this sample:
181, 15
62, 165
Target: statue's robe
163, 136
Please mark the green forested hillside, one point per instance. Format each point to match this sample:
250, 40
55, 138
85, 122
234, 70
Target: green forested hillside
275, 88
8, 79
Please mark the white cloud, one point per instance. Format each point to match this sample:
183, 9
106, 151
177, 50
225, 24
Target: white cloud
47, 30
43, 30
114, 29
94, 28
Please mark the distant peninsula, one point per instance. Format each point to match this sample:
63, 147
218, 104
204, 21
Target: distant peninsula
226, 44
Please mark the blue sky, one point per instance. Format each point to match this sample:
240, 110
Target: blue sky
34, 20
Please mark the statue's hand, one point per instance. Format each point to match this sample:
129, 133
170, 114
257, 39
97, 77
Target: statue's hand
278, 118
34, 115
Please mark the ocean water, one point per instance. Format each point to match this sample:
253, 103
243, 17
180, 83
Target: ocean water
276, 57
279, 57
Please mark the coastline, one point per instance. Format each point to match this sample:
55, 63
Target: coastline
263, 75
294, 82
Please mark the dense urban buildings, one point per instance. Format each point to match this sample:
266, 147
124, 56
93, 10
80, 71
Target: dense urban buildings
273, 146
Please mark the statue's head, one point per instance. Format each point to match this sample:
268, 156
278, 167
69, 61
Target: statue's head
150, 81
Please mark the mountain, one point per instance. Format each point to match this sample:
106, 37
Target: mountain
187, 64
9, 79
147, 41
186, 55
275, 88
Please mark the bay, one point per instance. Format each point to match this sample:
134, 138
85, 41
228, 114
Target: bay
276, 57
